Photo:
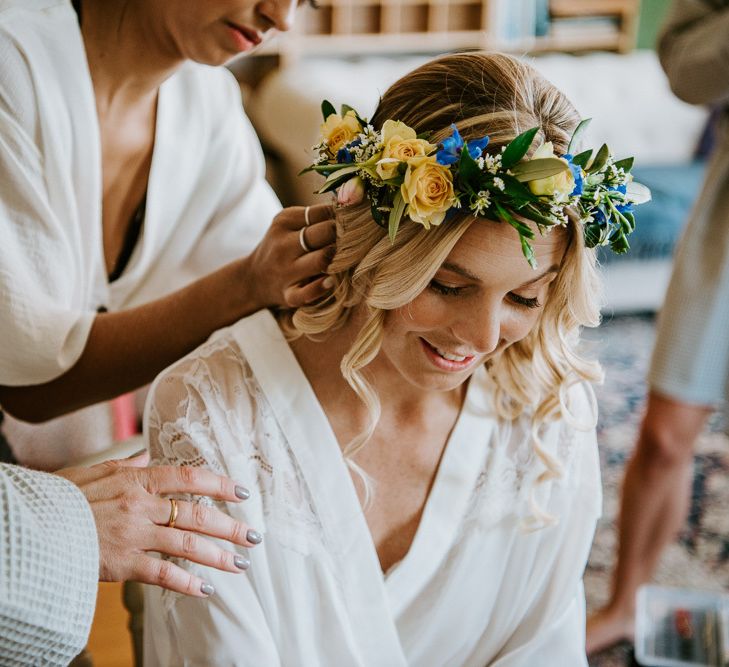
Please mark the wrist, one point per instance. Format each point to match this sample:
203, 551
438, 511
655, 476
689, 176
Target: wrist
248, 292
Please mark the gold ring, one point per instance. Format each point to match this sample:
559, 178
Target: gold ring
302, 240
306, 216
173, 513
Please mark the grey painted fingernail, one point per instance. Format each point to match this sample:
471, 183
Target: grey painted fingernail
254, 536
241, 563
207, 589
241, 492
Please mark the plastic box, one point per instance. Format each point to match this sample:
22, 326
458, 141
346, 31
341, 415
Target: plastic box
677, 627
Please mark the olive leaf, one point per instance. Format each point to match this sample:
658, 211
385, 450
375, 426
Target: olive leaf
327, 109
531, 170
518, 148
577, 135
393, 223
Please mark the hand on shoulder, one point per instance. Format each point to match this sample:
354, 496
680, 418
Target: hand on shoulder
132, 520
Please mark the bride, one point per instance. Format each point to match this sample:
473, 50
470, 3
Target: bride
420, 446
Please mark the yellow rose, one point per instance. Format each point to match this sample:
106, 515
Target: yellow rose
560, 185
394, 128
338, 131
400, 143
427, 190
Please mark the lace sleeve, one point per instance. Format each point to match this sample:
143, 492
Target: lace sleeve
199, 411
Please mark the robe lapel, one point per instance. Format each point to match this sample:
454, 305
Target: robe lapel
319, 456
463, 460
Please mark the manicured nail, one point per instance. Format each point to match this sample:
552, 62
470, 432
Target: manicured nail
328, 282
207, 589
254, 536
241, 563
241, 492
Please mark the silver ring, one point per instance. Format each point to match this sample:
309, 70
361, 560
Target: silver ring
302, 240
306, 216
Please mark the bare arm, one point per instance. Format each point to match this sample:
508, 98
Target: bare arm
694, 50
127, 349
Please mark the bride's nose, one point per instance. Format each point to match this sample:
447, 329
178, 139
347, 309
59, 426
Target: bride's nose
481, 328
279, 14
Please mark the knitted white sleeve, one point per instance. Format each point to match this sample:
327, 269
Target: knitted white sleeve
49, 568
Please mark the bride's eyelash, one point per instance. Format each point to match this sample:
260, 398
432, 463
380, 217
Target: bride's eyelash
523, 301
444, 289
447, 290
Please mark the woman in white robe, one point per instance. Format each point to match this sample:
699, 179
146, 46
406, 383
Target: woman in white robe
457, 529
111, 118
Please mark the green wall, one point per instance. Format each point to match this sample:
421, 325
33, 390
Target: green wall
651, 16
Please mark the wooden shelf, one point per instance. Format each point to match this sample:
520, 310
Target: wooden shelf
354, 27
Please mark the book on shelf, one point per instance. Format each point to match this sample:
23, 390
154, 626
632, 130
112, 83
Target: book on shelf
583, 26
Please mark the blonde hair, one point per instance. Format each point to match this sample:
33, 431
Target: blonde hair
481, 93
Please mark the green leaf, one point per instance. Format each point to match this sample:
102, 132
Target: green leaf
581, 159
469, 175
537, 216
345, 108
528, 251
336, 179
626, 164
577, 135
327, 168
518, 148
631, 221
531, 170
393, 223
523, 229
377, 215
600, 160
517, 190
592, 232
327, 109
619, 244
344, 171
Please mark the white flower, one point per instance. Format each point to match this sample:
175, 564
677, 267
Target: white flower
492, 163
483, 198
499, 184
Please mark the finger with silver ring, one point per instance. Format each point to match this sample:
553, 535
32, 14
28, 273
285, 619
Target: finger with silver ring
302, 240
173, 513
307, 222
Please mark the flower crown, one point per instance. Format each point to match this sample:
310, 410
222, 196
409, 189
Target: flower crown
403, 174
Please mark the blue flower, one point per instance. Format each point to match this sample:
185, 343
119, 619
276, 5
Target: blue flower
627, 207
451, 148
344, 156
576, 174
475, 147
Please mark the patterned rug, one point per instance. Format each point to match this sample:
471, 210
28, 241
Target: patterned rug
700, 559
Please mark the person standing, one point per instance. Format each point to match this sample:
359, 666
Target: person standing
690, 365
134, 215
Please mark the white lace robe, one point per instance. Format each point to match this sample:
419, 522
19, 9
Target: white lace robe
474, 589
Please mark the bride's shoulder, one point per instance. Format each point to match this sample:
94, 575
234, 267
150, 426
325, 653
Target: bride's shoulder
219, 369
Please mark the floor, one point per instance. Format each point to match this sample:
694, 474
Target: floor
110, 643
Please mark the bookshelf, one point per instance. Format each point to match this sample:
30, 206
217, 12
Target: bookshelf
361, 27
